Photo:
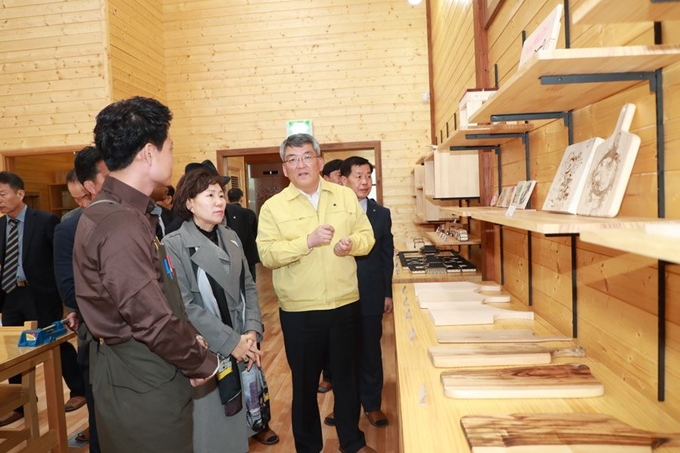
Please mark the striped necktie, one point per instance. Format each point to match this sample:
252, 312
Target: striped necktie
9, 269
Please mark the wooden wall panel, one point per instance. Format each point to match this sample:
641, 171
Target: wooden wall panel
453, 60
617, 292
237, 72
53, 72
136, 49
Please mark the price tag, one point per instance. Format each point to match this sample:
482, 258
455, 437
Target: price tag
511, 211
422, 395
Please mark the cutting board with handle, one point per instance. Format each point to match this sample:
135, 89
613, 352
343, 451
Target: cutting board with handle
610, 170
558, 433
474, 313
439, 287
447, 299
498, 355
549, 381
494, 336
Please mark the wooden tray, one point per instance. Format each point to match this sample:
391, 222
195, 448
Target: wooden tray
494, 336
552, 381
474, 313
498, 355
546, 433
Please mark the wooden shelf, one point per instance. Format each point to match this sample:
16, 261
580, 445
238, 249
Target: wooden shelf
424, 410
551, 223
469, 211
421, 221
524, 93
638, 241
616, 11
423, 159
450, 241
459, 137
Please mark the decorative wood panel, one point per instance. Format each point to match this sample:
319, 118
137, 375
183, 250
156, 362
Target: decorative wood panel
237, 71
52, 53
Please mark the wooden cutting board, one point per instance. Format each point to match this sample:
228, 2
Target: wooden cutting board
558, 433
610, 170
494, 336
438, 287
570, 179
498, 355
550, 381
473, 313
443, 300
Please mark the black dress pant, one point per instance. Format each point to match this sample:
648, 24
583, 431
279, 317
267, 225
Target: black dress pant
371, 368
19, 307
308, 336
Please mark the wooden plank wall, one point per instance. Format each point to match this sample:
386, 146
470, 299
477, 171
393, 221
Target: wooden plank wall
53, 80
136, 49
617, 292
237, 71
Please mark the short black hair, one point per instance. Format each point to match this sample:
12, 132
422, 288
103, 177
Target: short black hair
354, 161
190, 185
71, 176
86, 164
12, 180
234, 195
125, 127
331, 166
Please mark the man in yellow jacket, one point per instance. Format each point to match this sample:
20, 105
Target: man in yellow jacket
309, 234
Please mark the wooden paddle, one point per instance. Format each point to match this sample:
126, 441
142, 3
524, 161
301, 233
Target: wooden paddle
551, 381
473, 313
498, 355
438, 287
557, 433
610, 170
494, 336
444, 300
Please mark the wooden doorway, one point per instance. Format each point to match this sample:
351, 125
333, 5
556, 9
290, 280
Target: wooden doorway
234, 162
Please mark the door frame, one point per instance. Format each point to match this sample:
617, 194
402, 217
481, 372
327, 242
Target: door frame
330, 147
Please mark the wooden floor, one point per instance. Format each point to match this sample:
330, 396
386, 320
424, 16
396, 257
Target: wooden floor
278, 377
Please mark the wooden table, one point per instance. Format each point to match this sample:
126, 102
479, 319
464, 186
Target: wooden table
15, 360
429, 421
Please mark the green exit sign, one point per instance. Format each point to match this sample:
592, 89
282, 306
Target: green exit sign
299, 127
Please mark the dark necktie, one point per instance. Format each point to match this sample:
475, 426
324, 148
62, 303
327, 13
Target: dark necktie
9, 269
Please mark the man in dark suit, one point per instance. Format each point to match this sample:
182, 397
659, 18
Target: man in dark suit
244, 223
90, 171
28, 290
374, 272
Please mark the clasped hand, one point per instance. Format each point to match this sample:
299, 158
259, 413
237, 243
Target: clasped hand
246, 350
323, 234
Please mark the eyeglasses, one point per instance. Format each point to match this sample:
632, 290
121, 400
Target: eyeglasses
305, 158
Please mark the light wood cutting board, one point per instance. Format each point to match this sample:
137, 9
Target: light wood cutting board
550, 381
494, 336
610, 170
570, 179
559, 433
438, 287
444, 300
498, 355
473, 313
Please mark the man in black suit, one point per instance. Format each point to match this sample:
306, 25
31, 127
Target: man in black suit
90, 171
28, 290
374, 272
244, 222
